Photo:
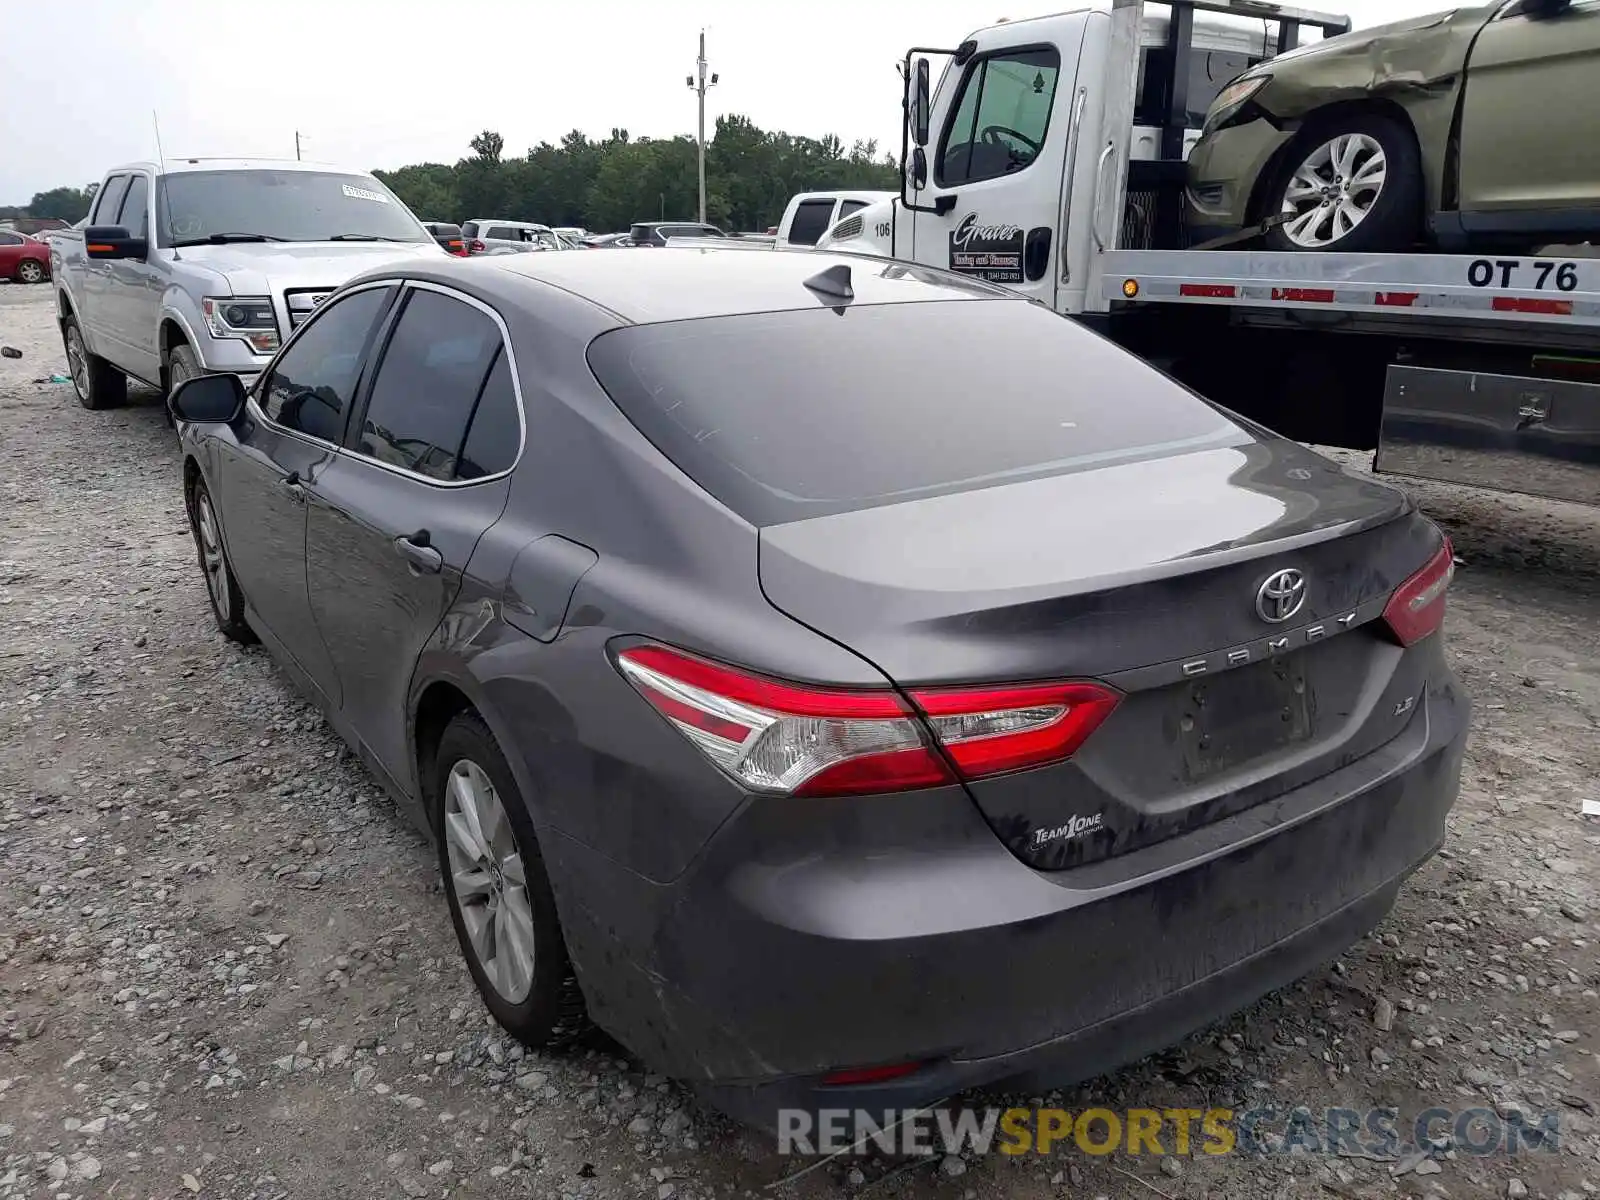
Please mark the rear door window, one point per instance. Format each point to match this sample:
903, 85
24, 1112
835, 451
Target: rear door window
502, 233
783, 416
811, 220
434, 369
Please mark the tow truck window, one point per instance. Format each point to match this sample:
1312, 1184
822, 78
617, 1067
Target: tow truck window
1209, 72
1001, 116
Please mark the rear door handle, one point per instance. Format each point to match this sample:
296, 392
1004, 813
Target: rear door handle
419, 552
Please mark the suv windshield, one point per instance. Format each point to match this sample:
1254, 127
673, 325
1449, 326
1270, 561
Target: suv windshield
291, 206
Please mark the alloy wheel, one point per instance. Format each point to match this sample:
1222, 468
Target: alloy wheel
78, 362
29, 271
489, 880
1333, 190
211, 557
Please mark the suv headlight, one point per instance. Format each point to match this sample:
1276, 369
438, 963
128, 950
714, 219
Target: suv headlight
1232, 98
248, 318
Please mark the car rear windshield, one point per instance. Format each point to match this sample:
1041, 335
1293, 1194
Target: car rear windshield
292, 206
789, 415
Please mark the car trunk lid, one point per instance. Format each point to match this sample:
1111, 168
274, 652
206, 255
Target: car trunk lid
1164, 579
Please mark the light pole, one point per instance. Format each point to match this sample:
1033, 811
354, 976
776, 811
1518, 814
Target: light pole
699, 88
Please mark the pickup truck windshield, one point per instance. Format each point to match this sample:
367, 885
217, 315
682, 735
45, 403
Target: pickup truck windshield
292, 206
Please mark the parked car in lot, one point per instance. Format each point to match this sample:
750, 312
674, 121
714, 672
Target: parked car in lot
656, 233
602, 241
196, 265
1478, 124
449, 236
487, 233
23, 259
828, 765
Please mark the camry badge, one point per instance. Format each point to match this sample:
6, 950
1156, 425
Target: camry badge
1281, 596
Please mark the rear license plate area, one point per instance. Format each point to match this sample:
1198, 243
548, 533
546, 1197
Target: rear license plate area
1230, 720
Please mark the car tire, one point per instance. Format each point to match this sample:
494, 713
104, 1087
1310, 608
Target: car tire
500, 899
182, 365
99, 385
222, 588
1343, 154
31, 270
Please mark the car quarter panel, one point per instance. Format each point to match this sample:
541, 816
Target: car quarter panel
670, 564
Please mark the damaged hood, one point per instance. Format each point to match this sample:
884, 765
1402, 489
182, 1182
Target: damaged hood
1418, 52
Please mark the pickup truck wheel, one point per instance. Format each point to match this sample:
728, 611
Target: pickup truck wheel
182, 365
98, 384
30, 270
1354, 184
222, 589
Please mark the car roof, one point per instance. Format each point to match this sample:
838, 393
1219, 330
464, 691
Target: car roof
507, 221
688, 283
179, 166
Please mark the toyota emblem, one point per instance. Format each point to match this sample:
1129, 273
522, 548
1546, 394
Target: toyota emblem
1281, 596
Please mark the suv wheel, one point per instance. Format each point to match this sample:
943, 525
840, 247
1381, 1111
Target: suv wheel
98, 384
1354, 184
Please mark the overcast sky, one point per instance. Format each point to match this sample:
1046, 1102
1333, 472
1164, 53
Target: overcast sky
382, 83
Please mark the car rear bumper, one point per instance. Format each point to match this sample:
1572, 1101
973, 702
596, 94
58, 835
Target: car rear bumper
788, 950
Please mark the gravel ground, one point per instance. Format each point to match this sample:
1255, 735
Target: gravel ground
226, 967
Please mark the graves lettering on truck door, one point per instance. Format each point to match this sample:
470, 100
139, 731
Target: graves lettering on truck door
991, 252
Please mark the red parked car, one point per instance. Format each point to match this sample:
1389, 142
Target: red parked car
22, 258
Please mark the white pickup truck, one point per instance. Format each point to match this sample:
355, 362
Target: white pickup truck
192, 266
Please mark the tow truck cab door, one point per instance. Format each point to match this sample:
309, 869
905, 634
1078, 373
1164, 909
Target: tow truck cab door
1004, 124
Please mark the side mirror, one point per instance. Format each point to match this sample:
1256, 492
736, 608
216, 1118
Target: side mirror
112, 241
919, 104
208, 399
919, 168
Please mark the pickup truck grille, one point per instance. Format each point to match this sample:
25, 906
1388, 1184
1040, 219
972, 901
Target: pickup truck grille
302, 303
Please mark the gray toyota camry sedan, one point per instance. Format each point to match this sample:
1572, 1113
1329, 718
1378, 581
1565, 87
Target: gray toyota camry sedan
847, 682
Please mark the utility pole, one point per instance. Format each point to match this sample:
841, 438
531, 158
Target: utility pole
700, 137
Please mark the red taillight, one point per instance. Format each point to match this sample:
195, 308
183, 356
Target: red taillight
1416, 610
1005, 729
806, 741
864, 1075
475, 246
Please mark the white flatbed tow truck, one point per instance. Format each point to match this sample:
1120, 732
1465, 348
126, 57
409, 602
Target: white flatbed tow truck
1472, 368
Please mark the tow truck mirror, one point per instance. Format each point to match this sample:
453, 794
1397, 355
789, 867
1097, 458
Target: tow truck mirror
113, 241
919, 104
208, 399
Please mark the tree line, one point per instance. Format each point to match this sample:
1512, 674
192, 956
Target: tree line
610, 183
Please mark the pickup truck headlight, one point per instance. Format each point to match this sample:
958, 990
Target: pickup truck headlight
248, 318
1232, 98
